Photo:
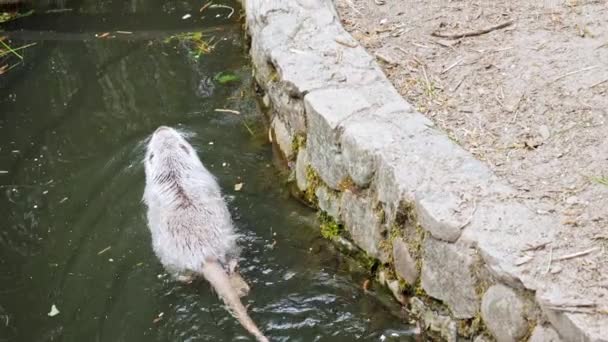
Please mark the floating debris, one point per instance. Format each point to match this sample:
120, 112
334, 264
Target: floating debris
54, 311
104, 250
158, 318
222, 110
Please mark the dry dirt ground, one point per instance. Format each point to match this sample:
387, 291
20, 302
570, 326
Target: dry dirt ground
529, 98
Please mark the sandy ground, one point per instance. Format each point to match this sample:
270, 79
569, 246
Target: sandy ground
530, 99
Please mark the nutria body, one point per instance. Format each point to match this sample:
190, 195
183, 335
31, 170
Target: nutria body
192, 231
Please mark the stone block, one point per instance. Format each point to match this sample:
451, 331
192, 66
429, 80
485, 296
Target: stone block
302, 164
441, 214
405, 265
503, 312
433, 321
325, 109
544, 334
328, 201
363, 224
282, 137
448, 275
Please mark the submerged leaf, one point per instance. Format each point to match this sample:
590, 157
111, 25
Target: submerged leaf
225, 77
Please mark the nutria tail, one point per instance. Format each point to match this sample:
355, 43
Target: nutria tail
218, 278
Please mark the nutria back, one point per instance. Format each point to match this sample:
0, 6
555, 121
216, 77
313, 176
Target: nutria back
187, 215
192, 232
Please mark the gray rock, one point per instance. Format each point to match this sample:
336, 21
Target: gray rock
282, 137
482, 338
393, 285
433, 321
503, 313
328, 201
361, 138
447, 274
544, 334
405, 265
301, 167
437, 214
363, 224
572, 326
325, 110
289, 109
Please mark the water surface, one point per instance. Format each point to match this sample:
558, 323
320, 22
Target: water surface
73, 123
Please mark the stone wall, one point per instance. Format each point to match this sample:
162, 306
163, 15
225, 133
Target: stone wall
441, 225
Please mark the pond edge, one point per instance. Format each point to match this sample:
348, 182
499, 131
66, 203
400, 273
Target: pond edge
451, 239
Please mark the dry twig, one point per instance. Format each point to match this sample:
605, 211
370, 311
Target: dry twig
451, 66
472, 33
577, 254
575, 72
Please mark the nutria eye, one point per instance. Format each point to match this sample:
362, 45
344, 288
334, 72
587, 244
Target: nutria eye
151, 156
184, 148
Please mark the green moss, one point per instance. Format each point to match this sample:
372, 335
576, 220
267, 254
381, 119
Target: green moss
329, 227
313, 180
472, 327
298, 141
483, 279
406, 228
419, 291
274, 76
370, 263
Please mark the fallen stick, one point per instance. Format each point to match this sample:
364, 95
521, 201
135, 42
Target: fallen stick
573, 309
472, 33
451, 66
598, 83
575, 72
576, 255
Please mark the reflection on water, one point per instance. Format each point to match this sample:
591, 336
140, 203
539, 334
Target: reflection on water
73, 122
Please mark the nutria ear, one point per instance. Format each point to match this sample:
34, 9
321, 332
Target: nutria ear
183, 147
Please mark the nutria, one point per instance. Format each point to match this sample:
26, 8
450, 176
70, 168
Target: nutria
192, 231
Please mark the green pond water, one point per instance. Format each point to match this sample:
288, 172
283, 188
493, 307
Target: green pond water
73, 123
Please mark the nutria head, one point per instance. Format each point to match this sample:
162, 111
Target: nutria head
169, 157
169, 153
